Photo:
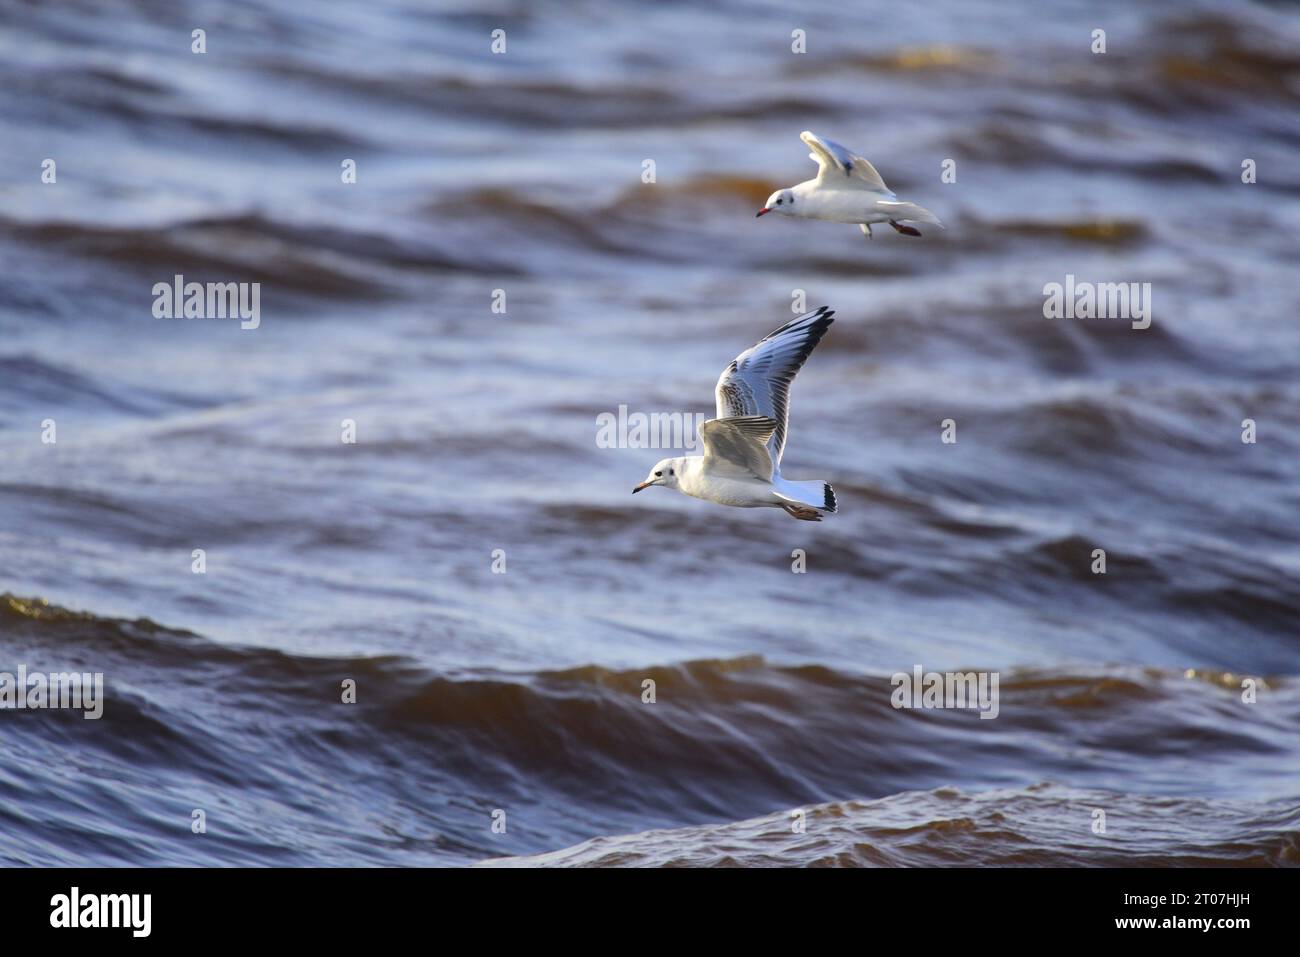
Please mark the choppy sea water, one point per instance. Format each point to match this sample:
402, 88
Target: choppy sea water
476, 433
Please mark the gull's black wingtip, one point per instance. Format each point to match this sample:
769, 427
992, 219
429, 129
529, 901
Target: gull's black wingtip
817, 322
823, 316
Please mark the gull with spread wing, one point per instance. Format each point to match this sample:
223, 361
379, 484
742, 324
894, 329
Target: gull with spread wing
741, 465
847, 189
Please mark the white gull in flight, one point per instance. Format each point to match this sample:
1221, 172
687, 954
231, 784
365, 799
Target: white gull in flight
741, 464
847, 190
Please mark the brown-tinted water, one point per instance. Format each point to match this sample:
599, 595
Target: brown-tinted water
520, 174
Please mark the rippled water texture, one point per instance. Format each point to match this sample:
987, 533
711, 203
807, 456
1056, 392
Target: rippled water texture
479, 692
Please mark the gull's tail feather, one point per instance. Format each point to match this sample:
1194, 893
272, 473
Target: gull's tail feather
909, 212
815, 494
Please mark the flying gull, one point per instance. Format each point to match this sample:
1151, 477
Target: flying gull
741, 465
847, 190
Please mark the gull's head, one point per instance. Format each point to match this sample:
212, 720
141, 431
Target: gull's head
664, 473
782, 201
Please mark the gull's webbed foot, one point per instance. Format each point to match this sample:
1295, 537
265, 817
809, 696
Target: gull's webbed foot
802, 513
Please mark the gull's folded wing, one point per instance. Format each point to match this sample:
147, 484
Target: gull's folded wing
738, 446
841, 168
907, 212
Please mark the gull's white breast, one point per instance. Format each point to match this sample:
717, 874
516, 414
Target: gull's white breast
725, 490
839, 205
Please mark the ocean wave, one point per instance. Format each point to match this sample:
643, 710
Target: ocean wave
723, 740
367, 562
1040, 826
29, 382
736, 729
249, 247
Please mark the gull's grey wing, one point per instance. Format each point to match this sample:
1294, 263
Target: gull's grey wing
841, 168
738, 445
757, 383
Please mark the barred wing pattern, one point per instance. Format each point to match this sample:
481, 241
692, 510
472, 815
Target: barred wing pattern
757, 383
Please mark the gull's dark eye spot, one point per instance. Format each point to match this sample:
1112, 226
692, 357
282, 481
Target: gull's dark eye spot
659, 473
671, 472
779, 202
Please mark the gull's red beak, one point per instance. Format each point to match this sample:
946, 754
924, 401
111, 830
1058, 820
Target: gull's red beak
765, 209
641, 486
